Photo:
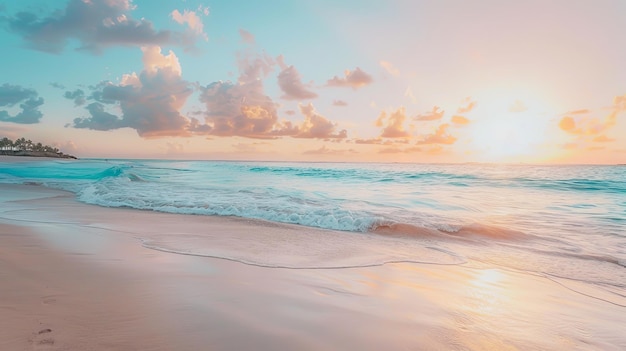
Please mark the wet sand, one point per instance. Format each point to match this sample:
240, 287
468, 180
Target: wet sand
77, 277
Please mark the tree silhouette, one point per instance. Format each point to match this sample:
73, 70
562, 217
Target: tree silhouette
23, 147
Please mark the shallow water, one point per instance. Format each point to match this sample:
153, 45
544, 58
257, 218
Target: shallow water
567, 223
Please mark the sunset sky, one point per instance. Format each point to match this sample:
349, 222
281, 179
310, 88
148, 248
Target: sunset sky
397, 81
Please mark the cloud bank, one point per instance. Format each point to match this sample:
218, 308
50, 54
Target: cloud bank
151, 103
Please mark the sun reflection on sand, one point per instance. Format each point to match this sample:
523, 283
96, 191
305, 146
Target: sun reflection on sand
487, 294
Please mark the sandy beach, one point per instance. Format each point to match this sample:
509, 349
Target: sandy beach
77, 277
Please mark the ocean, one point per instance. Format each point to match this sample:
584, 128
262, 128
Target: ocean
565, 223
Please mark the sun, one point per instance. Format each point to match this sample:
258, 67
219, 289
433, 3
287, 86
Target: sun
509, 129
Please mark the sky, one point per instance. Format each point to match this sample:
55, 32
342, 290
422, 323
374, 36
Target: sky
529, 81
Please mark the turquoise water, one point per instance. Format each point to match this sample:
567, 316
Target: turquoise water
568, 222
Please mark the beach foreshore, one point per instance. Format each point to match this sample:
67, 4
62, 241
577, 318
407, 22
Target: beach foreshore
82, 277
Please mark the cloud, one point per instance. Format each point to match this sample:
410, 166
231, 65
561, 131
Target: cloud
317, 126
380, 141
400, 150
354, 79
578, 112
150, 102
619, 105
340, 103
326, 151
602, 139
456, 119
77, 95
579, 123
468, 105
439, 137
518, 106
246, 36
409, 94
254, 67
567, 124
390, 68
433, 115
95, 24
375, 141
57, 85
291, 84
68, 146
241, 109
99, 119
393, 124
193, 21
28, 100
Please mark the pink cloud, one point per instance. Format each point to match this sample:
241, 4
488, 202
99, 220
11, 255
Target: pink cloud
291, 84
243, 108
354, 79
150, 102
468, 105
317, 126
580, 124
602, 139
578, 112
567, 124
240, 109
246, 36
390, 68
456, 119
193, 21
375, 141
433, 115
439, 137
393, 124
400, 150
327, 151
340, 103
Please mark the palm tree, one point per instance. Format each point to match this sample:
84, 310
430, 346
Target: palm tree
25, 147
19, 144
5, 143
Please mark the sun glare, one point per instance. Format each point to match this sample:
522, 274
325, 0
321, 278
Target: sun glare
509, 129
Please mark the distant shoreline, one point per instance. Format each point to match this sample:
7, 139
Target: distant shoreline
36, 154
